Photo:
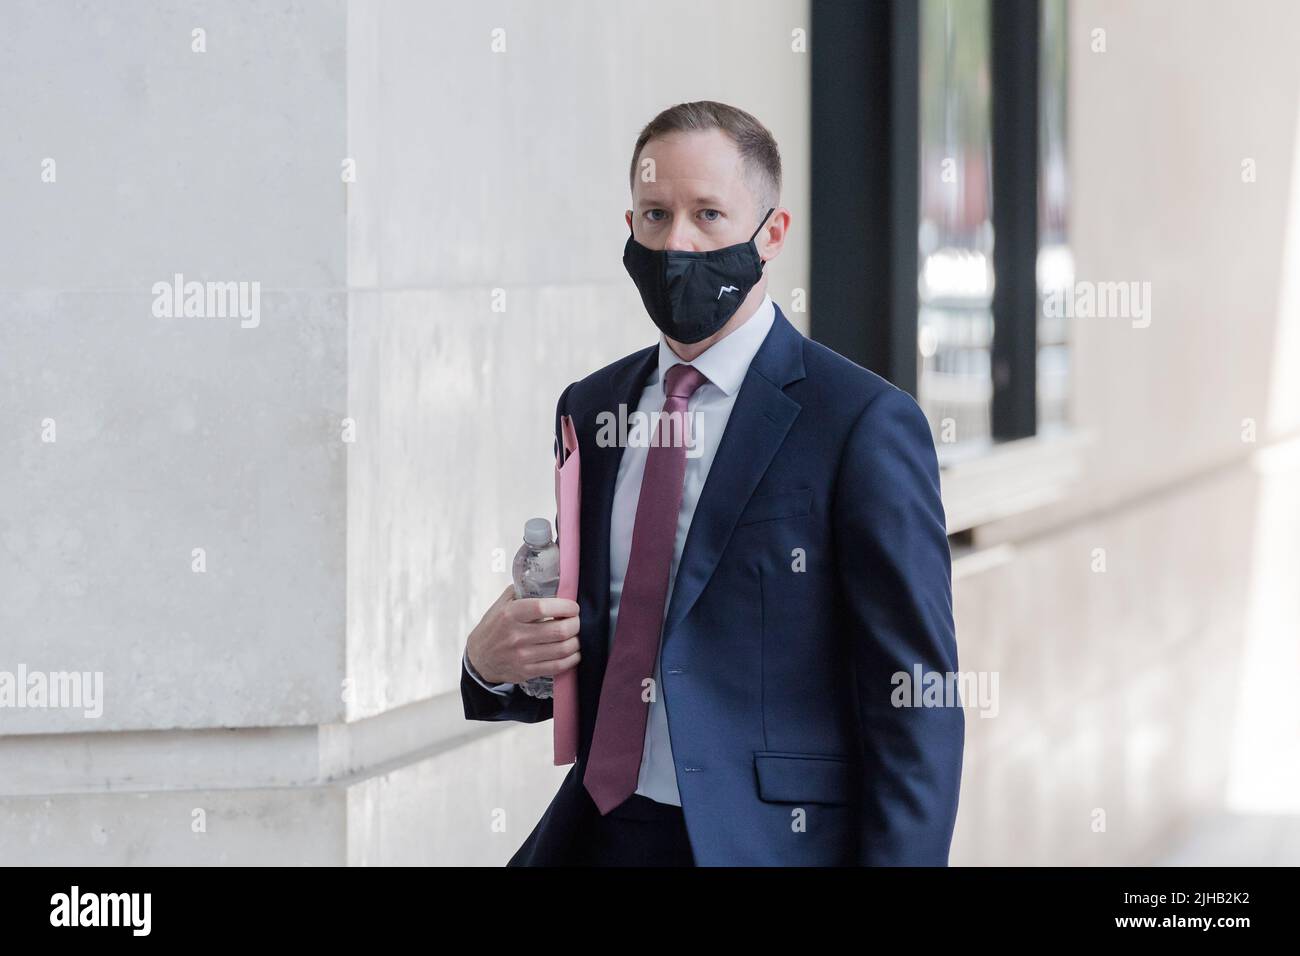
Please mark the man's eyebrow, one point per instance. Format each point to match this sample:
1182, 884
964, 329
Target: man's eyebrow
698, 200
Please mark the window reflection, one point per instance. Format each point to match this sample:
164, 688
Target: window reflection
955, 239
955, 285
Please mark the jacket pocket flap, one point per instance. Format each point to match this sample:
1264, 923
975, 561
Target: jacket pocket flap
786, 777
782, 504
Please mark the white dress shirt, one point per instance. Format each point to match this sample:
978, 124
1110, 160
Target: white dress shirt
725, 364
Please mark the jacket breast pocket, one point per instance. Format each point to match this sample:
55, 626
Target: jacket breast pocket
787, 777
781, 504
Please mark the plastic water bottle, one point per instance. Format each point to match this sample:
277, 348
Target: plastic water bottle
537, 575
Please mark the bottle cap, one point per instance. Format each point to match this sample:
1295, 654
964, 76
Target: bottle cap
537, 532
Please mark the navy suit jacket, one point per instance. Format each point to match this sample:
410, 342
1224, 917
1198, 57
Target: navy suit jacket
816, 568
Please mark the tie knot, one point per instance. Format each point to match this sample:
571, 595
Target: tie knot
681, 381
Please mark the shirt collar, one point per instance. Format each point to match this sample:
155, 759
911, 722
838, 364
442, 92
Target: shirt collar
726, 361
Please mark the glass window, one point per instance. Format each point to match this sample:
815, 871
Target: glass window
955, 237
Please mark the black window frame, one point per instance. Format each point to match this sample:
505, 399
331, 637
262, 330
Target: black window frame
865, 148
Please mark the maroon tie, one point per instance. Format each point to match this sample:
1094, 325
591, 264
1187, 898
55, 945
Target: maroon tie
614, 763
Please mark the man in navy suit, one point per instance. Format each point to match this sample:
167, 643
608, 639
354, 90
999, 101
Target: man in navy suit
789, 601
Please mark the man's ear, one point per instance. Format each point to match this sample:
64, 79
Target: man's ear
775, 213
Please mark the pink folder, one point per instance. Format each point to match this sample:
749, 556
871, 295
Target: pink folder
568, 506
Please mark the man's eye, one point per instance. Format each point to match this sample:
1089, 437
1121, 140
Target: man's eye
712, 218
653, 215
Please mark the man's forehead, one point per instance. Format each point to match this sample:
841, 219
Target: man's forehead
660, 197
721, 186
694, 156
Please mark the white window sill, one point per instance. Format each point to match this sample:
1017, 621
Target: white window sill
983, 484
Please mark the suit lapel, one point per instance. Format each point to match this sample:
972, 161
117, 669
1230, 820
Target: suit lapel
760, 419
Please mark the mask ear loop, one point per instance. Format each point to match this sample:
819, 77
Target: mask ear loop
762, 262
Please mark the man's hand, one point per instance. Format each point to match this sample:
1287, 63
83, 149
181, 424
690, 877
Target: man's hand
514, 641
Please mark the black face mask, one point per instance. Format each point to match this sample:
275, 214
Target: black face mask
690, 295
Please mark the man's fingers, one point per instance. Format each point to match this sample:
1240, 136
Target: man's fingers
551, 668
546, 653
528, 610
548, 632
556, 607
